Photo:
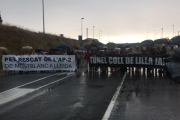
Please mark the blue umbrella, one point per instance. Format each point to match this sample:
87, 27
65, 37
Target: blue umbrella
63, 46
161, 41
84, 49
175, 40
147, 41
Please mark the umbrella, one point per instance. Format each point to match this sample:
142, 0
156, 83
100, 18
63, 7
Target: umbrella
147, 41
119, 45
146, 44
161, 41
54, 49
27, 47
64, 46
98, 44
87, 45
84, 49
39, 50
175, 40
3, 48
127, 45
111, 44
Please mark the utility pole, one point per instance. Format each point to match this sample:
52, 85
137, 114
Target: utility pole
82, 27
43, 26
99, 35
162, 32
93, 32
173, 30
87, 32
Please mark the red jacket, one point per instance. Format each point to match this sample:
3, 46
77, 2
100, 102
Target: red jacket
87, 57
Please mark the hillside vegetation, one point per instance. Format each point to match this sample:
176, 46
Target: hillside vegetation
14, 38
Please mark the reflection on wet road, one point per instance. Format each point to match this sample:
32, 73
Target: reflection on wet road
83, 97
88, 95
148, 99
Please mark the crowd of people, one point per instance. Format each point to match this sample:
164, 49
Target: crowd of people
82, 56
128, 51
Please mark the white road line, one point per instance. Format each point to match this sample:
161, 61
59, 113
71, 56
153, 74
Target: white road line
113, 100
14, 93
33, 82
56, 81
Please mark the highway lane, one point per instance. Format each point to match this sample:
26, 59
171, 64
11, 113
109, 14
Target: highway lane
147, 98
11, 81
83, 97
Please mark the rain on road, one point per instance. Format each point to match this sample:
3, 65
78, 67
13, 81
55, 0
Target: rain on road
87, 96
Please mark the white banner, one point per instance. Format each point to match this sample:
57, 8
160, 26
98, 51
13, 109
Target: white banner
38, 62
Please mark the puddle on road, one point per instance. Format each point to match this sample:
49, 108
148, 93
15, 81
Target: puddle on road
79, 104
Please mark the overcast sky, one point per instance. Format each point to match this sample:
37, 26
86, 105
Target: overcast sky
124, 20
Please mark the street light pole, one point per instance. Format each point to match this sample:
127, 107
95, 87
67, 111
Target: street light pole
173, 30
43, 26
93, 32
82, 27
99, 35
162, 32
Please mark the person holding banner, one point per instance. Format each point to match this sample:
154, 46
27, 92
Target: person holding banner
87, 58
123, 52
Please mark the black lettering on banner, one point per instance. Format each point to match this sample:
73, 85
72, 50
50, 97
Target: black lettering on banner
69, 59
20, 59
10, 59
6, 59
40, 58
8, 65
50, 66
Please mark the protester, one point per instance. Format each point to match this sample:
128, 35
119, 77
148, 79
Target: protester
163, 51
123, 52
78, 59
158, 51
87, 58
130, 52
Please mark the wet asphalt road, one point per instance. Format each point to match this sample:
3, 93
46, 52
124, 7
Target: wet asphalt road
77, 98
87, 97
11, 81
149, 98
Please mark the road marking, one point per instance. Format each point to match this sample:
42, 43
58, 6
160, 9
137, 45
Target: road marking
113, 100
14, 93
56, 81
33, 82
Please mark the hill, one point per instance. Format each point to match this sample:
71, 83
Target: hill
14, 38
